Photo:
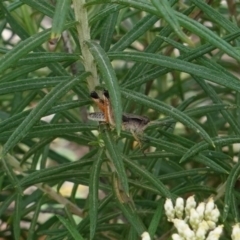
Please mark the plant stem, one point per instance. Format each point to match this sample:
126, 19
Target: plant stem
83, 30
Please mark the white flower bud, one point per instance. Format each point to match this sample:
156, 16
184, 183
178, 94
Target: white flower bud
236, 232
202, 230
211, 225
214, 215
204, 225
189, 234
179, 224
201, 209
183, 229
190, 203
194, 219
209, 207
179, 207
215, 234
175, 236
145, 236
211, 214
169, 210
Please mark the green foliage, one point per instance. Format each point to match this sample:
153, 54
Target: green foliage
175, 62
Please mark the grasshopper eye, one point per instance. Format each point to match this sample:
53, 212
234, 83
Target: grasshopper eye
94, 95
105, 93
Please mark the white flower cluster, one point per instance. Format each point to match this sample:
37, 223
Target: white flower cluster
145, 236
195, 222
236, 232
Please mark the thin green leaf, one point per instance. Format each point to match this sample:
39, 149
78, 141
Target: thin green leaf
216, 16
149, 176
215, 98
156, 219
109, 77
60, 14
234, 208
17, 216
202, 60
180, 65
24, 47
229, 194
52, 171
18, 72
139, 29
38, 146
46, 57
208, 35
54, 130
56, 68
145, 187
187, 174
128, 211
103, 13
103, 203
14, 5
195, 188
42, 6
93, 193
187, 23
71, 229
177, 139
165, 10
30, 83
156, 72
219, 141
5, 204
180, 151
108, 30
70, 176
10, 173
206, 87
17, 118
114, 155
34, 220
44, 105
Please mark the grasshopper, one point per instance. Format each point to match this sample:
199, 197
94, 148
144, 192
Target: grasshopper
130, 122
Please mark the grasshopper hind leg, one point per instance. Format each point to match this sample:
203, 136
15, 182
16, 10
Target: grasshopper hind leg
139, 140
